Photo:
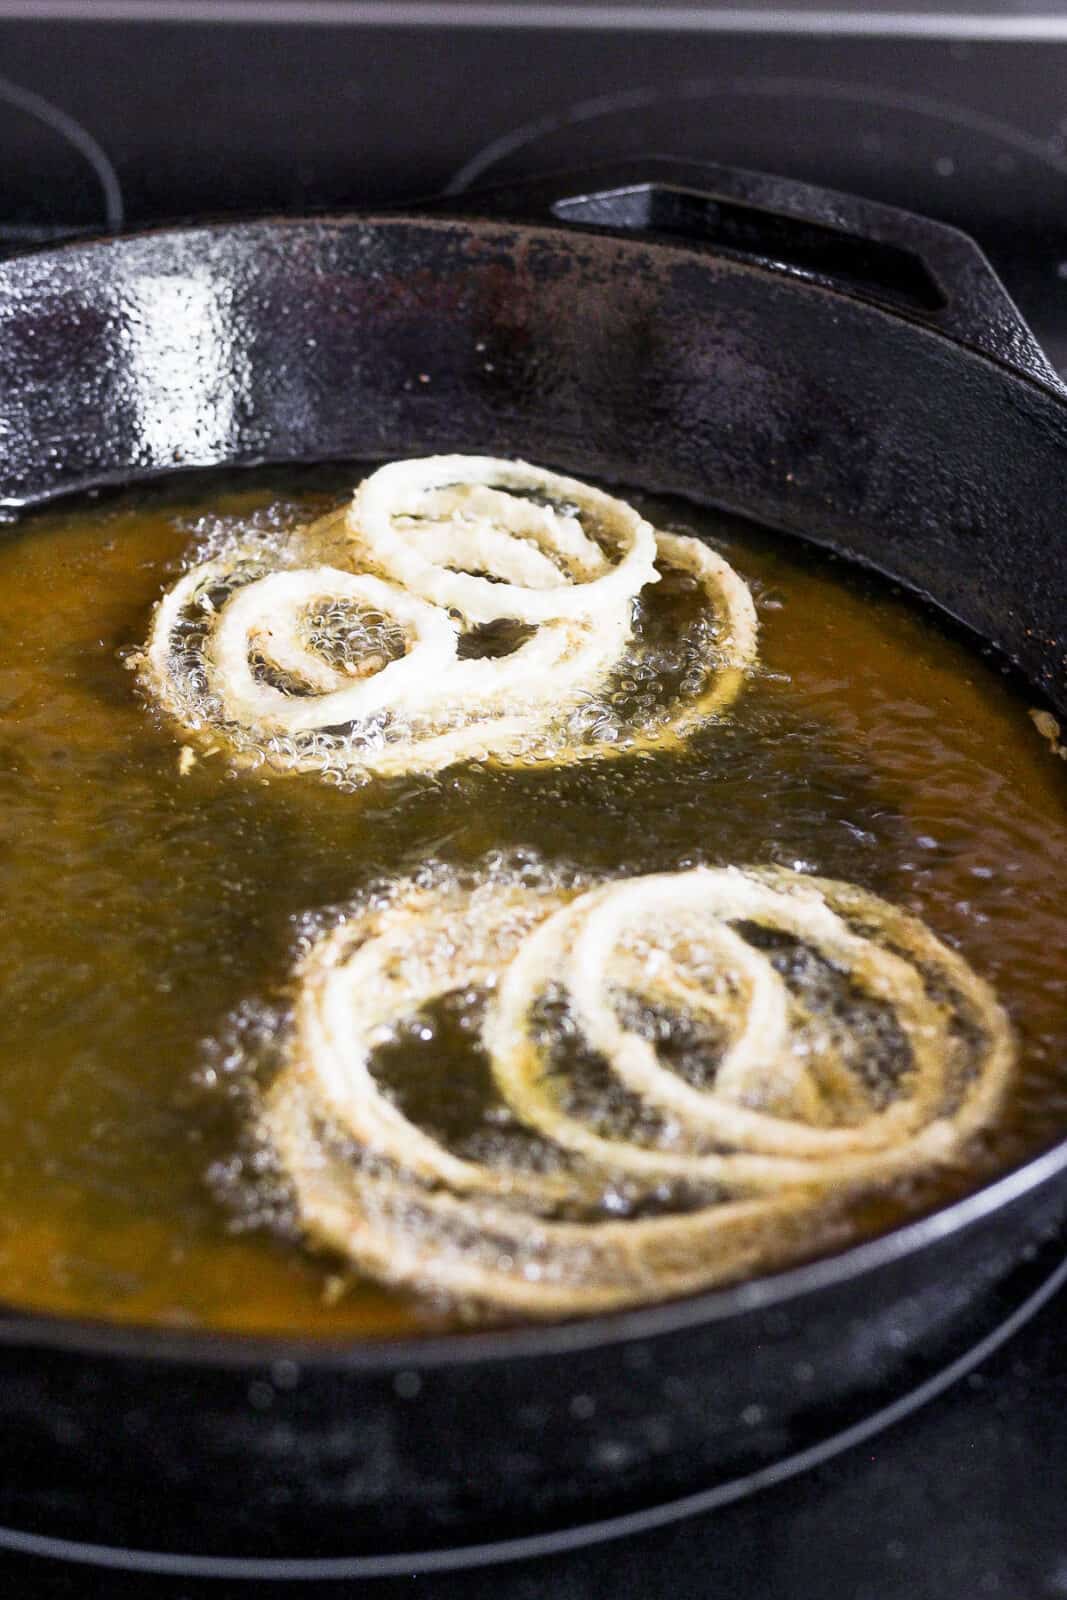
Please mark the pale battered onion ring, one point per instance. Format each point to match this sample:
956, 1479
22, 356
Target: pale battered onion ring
463, 493
735, 647
719, 1185
231, 657
491, 1254
385, 965
267, 615
889, 963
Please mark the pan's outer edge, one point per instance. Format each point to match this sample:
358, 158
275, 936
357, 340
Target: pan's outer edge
24, 1328
767, 1293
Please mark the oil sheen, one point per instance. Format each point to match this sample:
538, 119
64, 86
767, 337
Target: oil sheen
154, 904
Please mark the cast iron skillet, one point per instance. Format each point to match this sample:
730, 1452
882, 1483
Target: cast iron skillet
833, 369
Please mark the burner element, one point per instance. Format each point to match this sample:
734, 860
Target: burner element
883, 142
53, 169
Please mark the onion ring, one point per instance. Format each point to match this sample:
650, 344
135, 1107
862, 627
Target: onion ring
913, 1066
492, 1255
434, 487
232, 658
750, 1146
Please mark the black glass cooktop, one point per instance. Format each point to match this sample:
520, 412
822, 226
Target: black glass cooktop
959, 1500
124, 112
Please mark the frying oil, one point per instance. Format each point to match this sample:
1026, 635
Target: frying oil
156, 898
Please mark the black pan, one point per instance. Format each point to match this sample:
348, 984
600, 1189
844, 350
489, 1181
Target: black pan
841, 372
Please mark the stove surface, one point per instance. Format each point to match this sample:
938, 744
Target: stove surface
127, 112
962, 1499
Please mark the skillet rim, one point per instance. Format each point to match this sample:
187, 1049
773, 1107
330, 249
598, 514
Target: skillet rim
466, 211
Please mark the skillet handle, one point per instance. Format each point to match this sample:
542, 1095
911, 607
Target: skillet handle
923, 270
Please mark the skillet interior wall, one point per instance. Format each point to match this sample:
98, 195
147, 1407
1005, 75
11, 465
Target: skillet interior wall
663, 367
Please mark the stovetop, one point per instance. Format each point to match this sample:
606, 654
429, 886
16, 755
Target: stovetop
961, 1500
126, 112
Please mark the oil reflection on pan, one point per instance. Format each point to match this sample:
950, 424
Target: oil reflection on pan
183, 358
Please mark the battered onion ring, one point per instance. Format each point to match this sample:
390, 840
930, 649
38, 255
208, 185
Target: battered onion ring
264, 617
433, 706
895, 961
498, 704
383, 966
495, 1255
735, 654
370, 1183
445, 488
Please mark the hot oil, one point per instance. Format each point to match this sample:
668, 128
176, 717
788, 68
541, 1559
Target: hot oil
156, 900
